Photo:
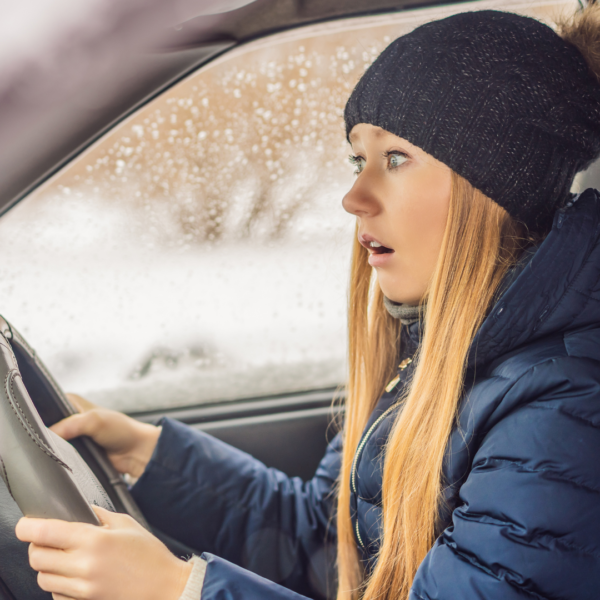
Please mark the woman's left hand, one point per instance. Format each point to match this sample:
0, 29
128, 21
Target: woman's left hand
119, 560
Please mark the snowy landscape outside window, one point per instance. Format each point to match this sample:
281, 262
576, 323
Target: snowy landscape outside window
199, 251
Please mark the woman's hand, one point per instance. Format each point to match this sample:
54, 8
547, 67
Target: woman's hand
118, 561
128, 443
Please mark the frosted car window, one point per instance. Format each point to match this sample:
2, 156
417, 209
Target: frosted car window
199, 252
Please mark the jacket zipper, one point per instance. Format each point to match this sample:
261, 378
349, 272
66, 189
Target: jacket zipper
359, 450
367, 435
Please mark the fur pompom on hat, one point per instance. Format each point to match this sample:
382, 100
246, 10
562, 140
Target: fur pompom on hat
501, 99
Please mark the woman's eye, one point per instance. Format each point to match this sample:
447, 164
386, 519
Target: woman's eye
396, 159
358, 162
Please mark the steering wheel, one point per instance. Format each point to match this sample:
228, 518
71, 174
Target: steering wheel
41, 474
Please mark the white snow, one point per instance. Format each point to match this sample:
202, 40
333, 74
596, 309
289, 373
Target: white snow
133, 324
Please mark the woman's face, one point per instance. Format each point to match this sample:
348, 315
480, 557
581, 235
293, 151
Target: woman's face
400, 198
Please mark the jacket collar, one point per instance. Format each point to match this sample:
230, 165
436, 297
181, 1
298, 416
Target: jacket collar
554, 290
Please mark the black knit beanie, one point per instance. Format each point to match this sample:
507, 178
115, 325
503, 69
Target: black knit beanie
501, 99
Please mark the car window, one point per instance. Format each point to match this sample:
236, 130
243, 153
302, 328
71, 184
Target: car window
198, 252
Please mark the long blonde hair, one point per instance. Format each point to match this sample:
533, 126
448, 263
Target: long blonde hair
480, 242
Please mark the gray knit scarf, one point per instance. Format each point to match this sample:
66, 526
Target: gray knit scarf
406, 313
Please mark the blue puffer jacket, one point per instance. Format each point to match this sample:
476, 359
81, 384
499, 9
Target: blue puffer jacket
522, 518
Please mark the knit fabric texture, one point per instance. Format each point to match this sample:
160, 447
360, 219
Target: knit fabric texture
500, 98
195, 582
405, 313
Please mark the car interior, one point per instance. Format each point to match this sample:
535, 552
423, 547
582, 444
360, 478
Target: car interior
181, 251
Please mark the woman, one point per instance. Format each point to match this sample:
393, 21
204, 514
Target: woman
472, 432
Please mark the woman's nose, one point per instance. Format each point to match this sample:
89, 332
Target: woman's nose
360, 201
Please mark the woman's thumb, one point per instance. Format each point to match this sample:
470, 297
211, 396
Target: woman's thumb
74, 426
112, 520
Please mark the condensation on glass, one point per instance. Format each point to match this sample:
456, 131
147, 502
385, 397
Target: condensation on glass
199, 252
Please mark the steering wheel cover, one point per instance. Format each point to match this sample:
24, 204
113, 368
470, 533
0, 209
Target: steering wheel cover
40, 481
52, 405
48, 476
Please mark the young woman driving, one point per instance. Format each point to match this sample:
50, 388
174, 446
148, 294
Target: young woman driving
468, 465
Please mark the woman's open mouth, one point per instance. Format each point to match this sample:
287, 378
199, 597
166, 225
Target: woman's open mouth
377, 248
379, 254
373, 245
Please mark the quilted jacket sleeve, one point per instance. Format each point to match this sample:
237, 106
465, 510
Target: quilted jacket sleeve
220, 500
528, 522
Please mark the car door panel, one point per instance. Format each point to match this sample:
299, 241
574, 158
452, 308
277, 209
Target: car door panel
289, 433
